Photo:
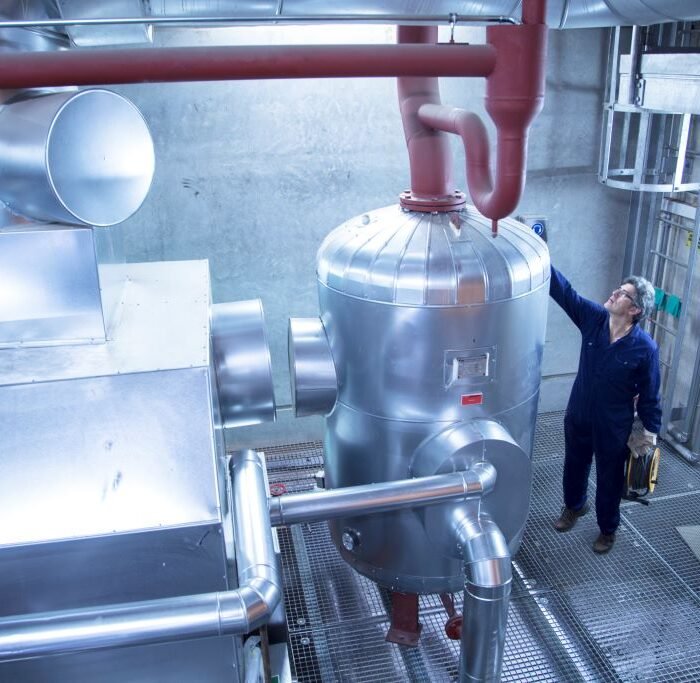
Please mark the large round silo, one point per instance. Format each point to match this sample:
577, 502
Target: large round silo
436, 331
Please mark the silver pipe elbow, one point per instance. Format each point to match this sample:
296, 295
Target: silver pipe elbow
488, 578
485, 551
259, 599
260, 586
485, 475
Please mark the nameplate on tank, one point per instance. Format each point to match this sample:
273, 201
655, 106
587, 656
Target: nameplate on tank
474, 366
469, 367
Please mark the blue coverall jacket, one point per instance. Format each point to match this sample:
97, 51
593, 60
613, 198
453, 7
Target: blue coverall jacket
600, 412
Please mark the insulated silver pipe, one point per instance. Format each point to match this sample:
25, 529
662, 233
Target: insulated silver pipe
279, 19
381, 497
234, 612
486, 596
635, 62
560, 13
685, 452
256, 562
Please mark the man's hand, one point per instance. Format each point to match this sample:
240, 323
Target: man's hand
641, 440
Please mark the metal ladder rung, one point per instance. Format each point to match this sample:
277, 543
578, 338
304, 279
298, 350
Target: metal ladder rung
675, 224
663, 327
666, 257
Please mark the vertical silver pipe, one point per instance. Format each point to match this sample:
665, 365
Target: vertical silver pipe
256, 562
635, 61
685, 452
486, 597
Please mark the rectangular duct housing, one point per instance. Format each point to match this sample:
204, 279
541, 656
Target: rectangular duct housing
112, 478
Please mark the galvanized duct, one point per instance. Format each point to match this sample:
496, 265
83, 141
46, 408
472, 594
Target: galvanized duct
560, 13
83, 158
13, 40
93, 23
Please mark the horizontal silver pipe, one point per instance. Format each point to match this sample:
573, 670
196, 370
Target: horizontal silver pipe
296, 508
234, 612
407, 19
560, 13
679, 435
691, 456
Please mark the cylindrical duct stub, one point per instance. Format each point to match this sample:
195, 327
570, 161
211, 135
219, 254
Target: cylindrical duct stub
311, 368
83, 158
242, 363
463, 446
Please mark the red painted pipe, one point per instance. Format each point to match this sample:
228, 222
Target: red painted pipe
428, 148
149, 65
514, 96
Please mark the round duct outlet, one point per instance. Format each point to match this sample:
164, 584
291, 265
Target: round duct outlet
242, 362
82, 157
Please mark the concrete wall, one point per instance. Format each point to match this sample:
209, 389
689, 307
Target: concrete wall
253, 175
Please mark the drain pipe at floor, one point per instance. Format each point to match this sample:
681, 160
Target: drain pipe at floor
685, 452
486, 597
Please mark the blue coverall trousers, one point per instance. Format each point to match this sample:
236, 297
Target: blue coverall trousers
581, 447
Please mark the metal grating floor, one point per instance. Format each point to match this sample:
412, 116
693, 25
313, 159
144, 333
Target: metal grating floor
633, 615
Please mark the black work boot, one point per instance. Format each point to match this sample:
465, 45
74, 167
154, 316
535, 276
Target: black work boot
603, 543
568, 517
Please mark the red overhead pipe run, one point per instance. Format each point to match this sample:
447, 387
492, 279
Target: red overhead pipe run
514, 96
160, 65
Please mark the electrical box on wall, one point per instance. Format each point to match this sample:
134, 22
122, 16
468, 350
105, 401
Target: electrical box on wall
536, 222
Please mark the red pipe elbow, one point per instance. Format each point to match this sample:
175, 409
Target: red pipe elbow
514, 96
428, 147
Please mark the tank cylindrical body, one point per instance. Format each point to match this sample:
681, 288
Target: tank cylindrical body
431, 322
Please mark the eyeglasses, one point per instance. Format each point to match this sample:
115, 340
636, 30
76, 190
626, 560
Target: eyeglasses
623, 292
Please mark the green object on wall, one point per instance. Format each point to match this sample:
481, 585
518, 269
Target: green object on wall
673, 305
659, 296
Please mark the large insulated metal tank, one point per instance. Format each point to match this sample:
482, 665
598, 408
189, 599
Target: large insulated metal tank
436, 330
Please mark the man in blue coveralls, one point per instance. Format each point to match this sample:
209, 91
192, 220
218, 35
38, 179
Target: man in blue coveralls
619, 362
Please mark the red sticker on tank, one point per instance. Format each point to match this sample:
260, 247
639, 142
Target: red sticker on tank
472, 399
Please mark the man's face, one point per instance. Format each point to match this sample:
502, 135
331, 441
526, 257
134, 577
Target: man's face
622, 301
